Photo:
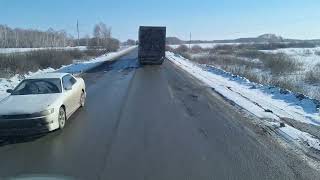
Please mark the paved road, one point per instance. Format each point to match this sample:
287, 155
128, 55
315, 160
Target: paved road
151, 123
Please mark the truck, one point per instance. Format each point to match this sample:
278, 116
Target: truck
152, 44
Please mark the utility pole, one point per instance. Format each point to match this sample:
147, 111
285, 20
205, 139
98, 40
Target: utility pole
78, 31
190, 41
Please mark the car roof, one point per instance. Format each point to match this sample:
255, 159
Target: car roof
48, 75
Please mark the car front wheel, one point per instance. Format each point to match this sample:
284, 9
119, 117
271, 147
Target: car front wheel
82, 99
62, 118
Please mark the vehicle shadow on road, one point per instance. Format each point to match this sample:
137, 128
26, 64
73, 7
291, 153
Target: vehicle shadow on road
8, 140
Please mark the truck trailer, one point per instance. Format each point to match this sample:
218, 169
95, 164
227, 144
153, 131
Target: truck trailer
152, 45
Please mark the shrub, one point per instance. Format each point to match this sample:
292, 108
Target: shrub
253, 54
280, 63
317, 53
109, 44
94, 52
169, 48
284, 83
307, 52
182, 49
186, 55
222, 50
226, 60
112, 45
196, 49
313, 76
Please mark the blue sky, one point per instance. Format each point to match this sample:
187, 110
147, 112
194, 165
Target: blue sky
206, 19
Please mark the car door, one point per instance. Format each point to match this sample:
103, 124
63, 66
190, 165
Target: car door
69, 94
77, 89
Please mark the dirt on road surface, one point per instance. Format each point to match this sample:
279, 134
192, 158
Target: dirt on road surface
151, 122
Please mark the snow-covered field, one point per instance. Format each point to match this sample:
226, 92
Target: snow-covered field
205, 45
20, 50
73, 68
309, 57
298, 71
270, 104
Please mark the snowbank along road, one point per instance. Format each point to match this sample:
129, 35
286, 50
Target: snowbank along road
152, 122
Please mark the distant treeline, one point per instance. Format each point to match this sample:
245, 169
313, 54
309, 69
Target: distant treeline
263, 40
269, 46
30, 38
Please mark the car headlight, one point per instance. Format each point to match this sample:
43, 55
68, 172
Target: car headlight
44, 113
23, 116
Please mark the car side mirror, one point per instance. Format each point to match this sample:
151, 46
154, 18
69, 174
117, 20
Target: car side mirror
10, 91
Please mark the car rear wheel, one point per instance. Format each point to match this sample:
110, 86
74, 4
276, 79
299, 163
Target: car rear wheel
82, 99
62, 118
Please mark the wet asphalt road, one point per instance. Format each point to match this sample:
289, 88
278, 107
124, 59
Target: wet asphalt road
152, 122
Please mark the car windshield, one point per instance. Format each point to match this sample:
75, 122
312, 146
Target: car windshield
38, 86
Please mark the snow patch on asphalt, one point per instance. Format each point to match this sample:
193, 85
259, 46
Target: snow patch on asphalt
265, 102
76, 68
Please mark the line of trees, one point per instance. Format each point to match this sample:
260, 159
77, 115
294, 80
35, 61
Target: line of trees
28, 38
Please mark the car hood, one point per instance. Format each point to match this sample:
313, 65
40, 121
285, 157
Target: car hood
26, 104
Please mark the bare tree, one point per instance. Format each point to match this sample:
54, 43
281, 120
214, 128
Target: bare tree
102, 36
97, 34
27, 38
87, 38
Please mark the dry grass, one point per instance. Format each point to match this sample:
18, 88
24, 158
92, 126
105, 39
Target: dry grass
280, 63
313, 76
317, 53
21, 63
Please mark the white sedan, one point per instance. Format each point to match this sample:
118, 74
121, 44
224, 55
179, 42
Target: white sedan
41, 103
